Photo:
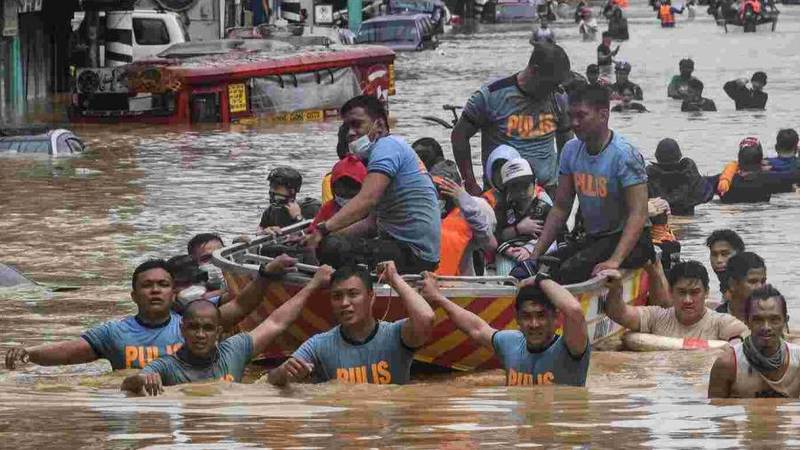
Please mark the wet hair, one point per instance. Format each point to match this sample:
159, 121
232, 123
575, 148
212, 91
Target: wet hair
151, 264
759, 76
429, 151
342, 147
373, 107
592, 68
446, 169
186, 271
726, 235
202, 239
535, 295
551, 61
309, 207
750, 156
189, 310
688, 270
686, 62
606, 34
593, 95
695, 85
743, 262
349, 271
764, 293
786, 140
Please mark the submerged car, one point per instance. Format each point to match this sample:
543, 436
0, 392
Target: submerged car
399, 32
436, 11
55, 143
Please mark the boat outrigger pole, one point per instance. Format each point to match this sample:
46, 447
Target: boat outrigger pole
354, 14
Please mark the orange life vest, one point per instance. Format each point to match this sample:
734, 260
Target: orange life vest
491, 197
456, 235
660, 233
666, 15
726, 178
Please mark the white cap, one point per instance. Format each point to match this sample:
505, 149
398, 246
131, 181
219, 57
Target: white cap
514, 169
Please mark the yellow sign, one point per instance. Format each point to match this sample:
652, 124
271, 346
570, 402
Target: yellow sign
314, 115
237, 98
391, 80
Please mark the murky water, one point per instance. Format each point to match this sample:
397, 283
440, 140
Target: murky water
156, 187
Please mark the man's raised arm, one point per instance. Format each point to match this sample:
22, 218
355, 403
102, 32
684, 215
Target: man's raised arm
471, 324
575, 335
557, 217
616, 309
417, 329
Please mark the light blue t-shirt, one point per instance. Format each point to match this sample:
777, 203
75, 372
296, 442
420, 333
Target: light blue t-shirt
552, 366
506, 115
130, 344
231, 359
409, 209
600, 181
382, 359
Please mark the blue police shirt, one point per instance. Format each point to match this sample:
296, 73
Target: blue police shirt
131, 344
229, 363
552, 366
408, 211
382, 359
600, 181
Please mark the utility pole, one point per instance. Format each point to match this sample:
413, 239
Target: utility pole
354, 14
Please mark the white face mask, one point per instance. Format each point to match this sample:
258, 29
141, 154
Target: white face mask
191, 293
361, 147
341, 201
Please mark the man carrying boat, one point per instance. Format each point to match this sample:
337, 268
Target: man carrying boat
746, 273
687, 318
608, 176
362, 349
201, 358
764, 364
134, 341
524, 111
397, 188
534, 354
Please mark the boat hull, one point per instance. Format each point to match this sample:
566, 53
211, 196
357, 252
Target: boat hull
448, 347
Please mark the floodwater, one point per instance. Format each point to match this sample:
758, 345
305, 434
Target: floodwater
151, 188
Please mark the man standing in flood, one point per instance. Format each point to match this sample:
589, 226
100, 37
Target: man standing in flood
524, 111
763, 364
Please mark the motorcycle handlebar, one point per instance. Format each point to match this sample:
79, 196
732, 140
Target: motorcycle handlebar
451, 107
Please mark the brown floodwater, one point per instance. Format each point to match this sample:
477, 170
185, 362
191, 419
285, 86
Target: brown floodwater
143, 191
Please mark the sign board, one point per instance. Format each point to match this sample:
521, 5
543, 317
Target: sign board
9, 19
237, 98
29, 6
323, 14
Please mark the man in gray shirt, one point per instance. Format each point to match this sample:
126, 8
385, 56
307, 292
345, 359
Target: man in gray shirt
362, 349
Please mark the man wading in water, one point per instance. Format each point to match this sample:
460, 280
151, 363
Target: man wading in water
534, 354
202, 359
135, 341
523, 111
607, 174
764, 364
362, 349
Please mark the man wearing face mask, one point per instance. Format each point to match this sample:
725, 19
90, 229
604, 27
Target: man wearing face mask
283, 210
467, 222
524, 111
397, 188
201, 248
190, 283
521, 212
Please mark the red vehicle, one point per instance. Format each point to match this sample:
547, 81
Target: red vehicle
231, 80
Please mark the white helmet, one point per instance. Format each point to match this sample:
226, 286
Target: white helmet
515, 169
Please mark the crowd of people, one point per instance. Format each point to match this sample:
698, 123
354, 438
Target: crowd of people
397, 208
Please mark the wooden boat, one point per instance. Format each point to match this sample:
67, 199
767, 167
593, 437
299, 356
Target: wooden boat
235, 80
492, 298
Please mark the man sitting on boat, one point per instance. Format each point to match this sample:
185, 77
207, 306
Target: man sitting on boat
521, 211
201, 248
525, 111
361, 349
201, 358
283, 209
429, 151
722, 246
746, 273
534, 354
764, 364
397, 188
608, 176
468, 222
135, 341
687, 318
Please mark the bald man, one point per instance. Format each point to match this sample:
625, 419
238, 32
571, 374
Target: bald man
201, 358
